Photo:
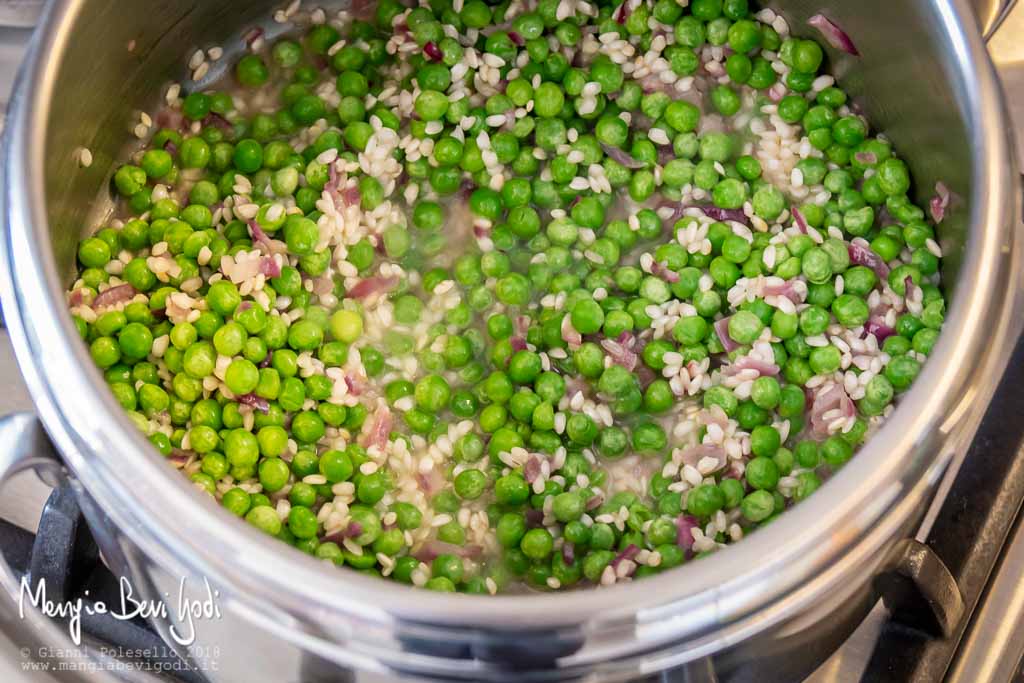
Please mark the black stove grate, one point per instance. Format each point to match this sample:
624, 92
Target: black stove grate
969, 534
64, 555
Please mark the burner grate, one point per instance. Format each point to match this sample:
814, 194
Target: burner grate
64, 555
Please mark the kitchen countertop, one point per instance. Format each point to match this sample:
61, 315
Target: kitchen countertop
24, 495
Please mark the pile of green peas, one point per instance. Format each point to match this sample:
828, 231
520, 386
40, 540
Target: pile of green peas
545, 238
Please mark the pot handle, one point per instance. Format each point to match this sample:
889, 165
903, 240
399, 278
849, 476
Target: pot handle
920, 590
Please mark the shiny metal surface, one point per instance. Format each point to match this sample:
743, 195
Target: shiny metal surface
991, 649
939, 103
991, 14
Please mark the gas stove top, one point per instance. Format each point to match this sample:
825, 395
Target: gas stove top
975, 533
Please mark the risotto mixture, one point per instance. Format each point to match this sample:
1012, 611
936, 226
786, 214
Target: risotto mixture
492, 296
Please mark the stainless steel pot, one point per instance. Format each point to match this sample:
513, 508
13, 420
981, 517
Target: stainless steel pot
923, 78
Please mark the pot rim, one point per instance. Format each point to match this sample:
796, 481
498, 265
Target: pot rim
772, 573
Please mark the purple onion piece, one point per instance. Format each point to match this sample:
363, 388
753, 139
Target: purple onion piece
862, 256
622, 13
722, 330
252, 35
835, 36
568, 553
629, 553
433, 52
684, 531
216, 120
801, 222
114, 295
866, 158
531, 470
620, 156
879, 329
255, 402
725, 214
939, 203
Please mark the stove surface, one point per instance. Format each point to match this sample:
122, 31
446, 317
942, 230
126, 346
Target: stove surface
1001, 606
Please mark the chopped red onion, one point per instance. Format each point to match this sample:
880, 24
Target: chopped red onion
862, 256
170, 148
534, 518
177, 459
353, 529
217, 121
323, 285
351, 196
629, 553
664, 272
433, 548
114, 295
182, 453
252, 35
722, 330
568, 553
685, 524
332, 179
433, 52
431, 482
269, 267
908, 286
787, 289
569, 334
714, 416
379, 429
255, 402
623, 12
594, 502
835, 36
76, 298
355, 387
622, 157
171, 119
620, 354
725, 214
763, 368
257, 232
267, 360
879, 329
516, 38
866, 158
939, 203
694, 454
826, 401
531, 470
372, 285
801, 222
